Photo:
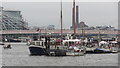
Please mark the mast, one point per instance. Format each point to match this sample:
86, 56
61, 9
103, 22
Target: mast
74, 19
82, 33
99, 37
61, 19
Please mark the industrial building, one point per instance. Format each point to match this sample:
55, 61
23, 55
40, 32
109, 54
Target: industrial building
51, 27
75, 18
12, 20
76, 24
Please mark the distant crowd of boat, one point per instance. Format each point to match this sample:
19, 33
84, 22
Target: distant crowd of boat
71, 47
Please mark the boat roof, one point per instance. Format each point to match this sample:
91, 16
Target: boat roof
71, 40
103, 42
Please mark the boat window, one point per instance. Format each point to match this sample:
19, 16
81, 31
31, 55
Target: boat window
66, 44
71, 43
32, 43
114, 45
38, 43
42, 43
58, 43
52, 43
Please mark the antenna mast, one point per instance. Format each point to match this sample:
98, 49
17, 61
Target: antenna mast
61, 19
74, 19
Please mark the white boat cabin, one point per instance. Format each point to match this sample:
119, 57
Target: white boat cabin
71, 42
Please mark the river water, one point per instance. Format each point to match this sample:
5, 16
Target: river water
19, 56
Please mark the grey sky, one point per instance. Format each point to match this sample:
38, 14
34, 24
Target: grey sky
46, 13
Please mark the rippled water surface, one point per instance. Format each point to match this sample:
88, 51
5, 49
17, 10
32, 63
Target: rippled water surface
19, 56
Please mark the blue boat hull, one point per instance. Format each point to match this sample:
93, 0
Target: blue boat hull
99, 50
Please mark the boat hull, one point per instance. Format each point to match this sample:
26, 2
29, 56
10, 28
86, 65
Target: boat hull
74, 53
99, 50
37, 51
56, 52
48, 52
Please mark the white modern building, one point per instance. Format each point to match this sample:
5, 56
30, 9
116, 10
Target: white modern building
13, 20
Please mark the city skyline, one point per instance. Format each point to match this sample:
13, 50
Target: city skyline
48, 13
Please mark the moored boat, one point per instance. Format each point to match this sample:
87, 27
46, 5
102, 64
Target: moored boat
41, 48
74, 47
105, 47
36, 48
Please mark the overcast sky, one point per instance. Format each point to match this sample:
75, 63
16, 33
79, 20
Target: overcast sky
48, 13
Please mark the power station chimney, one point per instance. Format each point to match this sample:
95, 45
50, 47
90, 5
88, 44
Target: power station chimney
77, 16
